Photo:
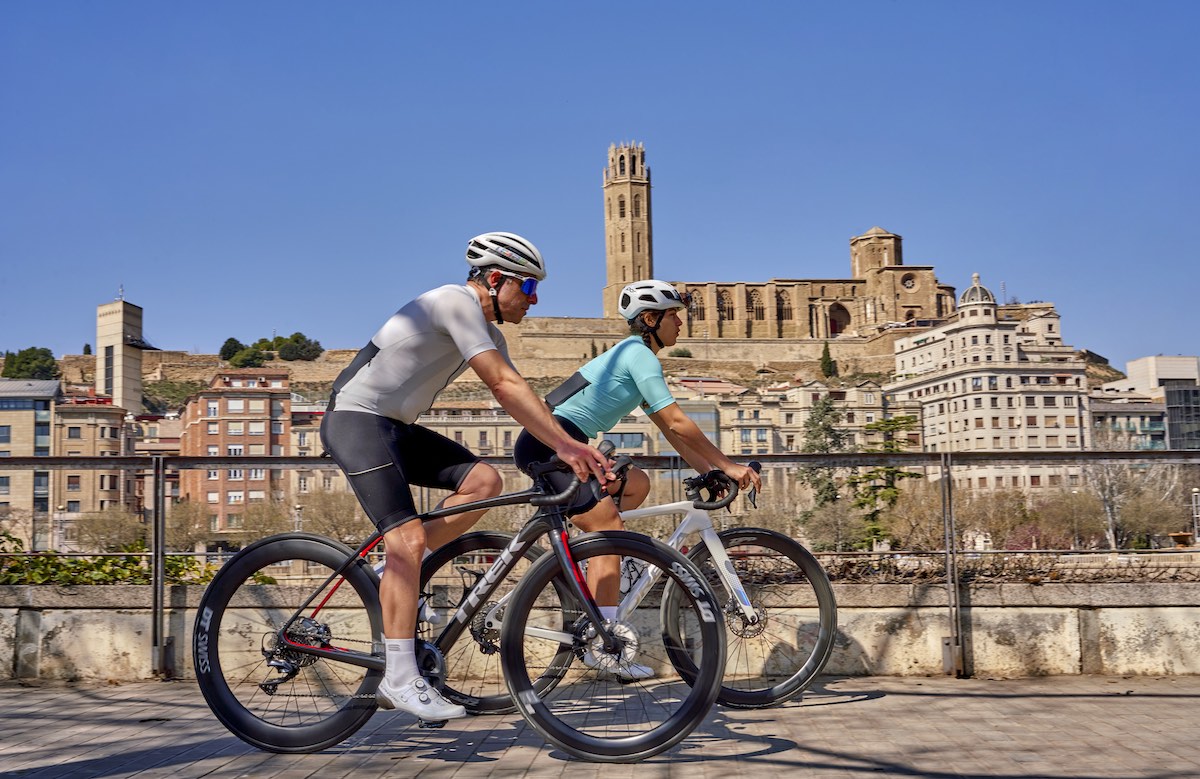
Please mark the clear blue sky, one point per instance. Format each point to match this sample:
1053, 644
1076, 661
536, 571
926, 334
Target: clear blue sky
243, 168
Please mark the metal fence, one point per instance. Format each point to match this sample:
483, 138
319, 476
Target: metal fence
951, 565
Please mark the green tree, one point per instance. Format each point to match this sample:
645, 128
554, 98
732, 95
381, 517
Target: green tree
250, 357
822, 435
829, 367
231, 347
877, 489
680, 351
87, 349
32, 363
298, 346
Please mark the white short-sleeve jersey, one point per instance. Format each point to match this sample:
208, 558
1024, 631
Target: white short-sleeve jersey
419, 350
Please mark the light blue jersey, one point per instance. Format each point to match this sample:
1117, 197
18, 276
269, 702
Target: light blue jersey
621, 379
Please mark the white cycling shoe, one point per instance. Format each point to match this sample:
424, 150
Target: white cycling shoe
625, 671
419, 699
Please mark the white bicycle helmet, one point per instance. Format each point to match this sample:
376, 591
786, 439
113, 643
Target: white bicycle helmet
506, 251
648, 295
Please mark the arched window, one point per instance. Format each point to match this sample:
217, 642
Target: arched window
783, 305
697, 303
725, 305
637, 206
621, 165
754, 303
621, 207
622, 241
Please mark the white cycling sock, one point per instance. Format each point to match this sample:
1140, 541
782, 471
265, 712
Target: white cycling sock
401, 661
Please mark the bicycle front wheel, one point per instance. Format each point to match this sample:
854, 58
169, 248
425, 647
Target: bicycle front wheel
596, 711
474, 678
775, 656
265, 692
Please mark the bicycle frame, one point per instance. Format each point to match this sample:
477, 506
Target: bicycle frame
546, 522
694, 521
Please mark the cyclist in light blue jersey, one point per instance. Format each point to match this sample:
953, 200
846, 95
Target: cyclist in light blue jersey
607, 388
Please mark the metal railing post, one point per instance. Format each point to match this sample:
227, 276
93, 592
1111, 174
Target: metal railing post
158, 566
952, 645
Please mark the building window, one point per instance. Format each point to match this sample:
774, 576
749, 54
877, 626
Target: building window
257, 474
5, 434
4, 485
277, 428
214, 497
214, 409
235, 405
73, 506
258, 406
213, 474
214, 428
236, 474
257, 496
302, 484
73, 483
235, 496
260, 428
621, 207
214, 451
234, 521
234, 450
235, 428
77, 432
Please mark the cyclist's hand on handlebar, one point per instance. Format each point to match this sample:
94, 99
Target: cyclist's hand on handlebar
744, 475
586, 461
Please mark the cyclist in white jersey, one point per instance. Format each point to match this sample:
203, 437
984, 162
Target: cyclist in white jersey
370, 431
607, 388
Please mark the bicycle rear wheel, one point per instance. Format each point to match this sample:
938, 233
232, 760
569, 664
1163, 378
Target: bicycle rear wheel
590, 713
772, 660
473, 674
243, 669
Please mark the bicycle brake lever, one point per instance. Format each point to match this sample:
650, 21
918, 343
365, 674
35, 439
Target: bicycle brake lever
752, 495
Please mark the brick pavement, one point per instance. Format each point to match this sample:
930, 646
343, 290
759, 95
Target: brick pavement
1083, 727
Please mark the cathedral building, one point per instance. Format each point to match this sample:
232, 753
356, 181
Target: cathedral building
880, 293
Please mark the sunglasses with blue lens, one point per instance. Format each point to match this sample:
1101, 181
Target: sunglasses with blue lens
528, 285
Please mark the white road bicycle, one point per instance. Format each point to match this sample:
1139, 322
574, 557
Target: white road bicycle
777, 603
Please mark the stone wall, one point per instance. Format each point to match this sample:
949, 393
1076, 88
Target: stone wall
1012, 630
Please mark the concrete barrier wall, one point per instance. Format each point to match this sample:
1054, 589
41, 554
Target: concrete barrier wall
1011, 630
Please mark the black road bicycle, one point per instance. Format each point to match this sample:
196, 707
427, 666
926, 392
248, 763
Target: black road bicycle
288, 639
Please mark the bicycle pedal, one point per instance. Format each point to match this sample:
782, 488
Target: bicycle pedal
432, 724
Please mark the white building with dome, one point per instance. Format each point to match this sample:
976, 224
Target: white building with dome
996, 378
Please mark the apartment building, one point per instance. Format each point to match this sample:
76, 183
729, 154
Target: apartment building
243, 413
1173, 381
996, 378
1129, 417
42, 419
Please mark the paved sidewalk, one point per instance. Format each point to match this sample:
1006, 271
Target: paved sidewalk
1078, 727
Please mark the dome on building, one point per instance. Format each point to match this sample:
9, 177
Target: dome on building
976, 293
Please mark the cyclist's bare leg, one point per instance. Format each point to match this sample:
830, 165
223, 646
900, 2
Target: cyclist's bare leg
481, 482
400, 583
406, 544
603, 573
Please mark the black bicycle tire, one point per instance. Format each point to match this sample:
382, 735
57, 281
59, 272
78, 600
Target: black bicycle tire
476, 542
206, 653
704, 685
812, 571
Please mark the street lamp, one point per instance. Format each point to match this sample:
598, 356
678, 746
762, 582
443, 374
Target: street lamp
59, 533
298, 517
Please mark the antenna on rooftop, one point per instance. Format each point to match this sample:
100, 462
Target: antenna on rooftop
1004, 293
121, 292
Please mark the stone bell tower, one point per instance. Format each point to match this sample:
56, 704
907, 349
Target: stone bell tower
628, 243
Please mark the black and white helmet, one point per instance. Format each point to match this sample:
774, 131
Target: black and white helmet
506, 251
649, 295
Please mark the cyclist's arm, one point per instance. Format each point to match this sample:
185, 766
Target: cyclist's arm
694, 446
516, 397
